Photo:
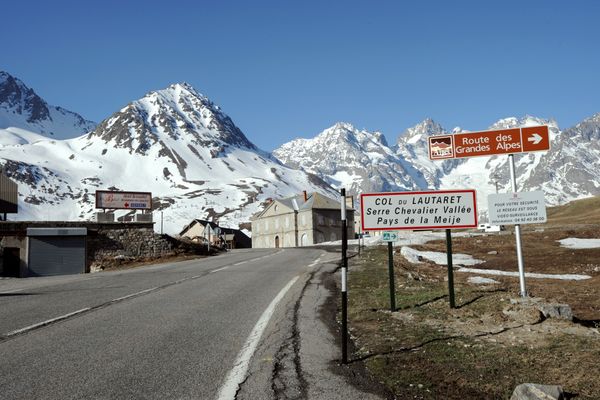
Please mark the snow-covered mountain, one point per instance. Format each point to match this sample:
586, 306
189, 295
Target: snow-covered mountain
174, 143
25, 117
567, 172
359, 160
181, 147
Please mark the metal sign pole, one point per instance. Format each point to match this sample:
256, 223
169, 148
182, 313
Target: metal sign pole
450, 271
359, 235
518, 231
344, 281
391, 273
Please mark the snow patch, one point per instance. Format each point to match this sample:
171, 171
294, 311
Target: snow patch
575, 243
416, 256
564, 277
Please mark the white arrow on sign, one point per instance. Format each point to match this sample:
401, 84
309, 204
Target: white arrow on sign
535, 138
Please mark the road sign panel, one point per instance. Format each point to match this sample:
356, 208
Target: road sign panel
444, 209
487, 143
389, 236
123, 200
517, 208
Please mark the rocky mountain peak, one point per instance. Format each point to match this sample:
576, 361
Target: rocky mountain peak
588, 129
178, 112
21, 107
16, 97
527, 120
428, 127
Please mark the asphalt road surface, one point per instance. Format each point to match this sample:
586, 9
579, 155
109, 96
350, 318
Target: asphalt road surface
201, 329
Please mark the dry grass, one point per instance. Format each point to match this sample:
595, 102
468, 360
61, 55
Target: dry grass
486, 346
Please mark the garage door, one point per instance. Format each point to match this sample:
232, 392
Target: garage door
56, 254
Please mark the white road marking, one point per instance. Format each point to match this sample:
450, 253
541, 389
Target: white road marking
47, 322
240, 263
219, 269
315, 263
12, 291
134, 294
238, 373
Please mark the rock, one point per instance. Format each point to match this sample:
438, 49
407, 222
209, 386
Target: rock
535, 391
492, 253
526, 301
555, 310
522, 314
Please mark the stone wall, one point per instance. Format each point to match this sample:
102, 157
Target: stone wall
127, 242
107, 243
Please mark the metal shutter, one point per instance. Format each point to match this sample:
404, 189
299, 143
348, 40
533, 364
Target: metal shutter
56, 255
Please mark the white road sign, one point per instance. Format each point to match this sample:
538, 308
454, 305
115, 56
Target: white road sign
517, 208
444, 209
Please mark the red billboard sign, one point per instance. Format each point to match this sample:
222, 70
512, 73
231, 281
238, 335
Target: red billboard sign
488, 143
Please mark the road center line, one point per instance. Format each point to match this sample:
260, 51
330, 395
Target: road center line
12, 291
240, 263
44, 323
134, 294
238, 373
219, 269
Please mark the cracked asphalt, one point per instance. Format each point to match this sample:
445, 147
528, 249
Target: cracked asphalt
173, 331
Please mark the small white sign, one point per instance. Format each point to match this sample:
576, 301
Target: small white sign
443, 209
390, 236
517, 208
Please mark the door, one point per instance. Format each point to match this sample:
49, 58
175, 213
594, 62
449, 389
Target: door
304, 240
276, 242
11, 261
56, 255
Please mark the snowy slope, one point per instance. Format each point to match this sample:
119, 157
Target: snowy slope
23, 112
567, 172
174, 143
359, 160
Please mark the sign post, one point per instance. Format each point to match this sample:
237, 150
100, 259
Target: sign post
488, 143
391, 237
443, 209
450, 271
516, 209
344, 279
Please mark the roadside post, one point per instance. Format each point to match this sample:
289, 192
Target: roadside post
516, 209
450, 271
435, 210
488, 143
344, 279
391, 237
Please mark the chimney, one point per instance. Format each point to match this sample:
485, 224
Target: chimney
350, 202
305, 195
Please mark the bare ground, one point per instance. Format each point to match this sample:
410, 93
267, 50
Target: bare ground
487, 345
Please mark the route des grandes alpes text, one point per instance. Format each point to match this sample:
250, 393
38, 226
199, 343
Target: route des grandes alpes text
407, 210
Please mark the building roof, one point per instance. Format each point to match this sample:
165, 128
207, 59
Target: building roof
314, 200
202, 222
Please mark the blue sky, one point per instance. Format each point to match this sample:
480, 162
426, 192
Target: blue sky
286, 69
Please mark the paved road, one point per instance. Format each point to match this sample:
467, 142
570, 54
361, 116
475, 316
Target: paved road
171, 331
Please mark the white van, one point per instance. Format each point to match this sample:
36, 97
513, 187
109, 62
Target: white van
490, 228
